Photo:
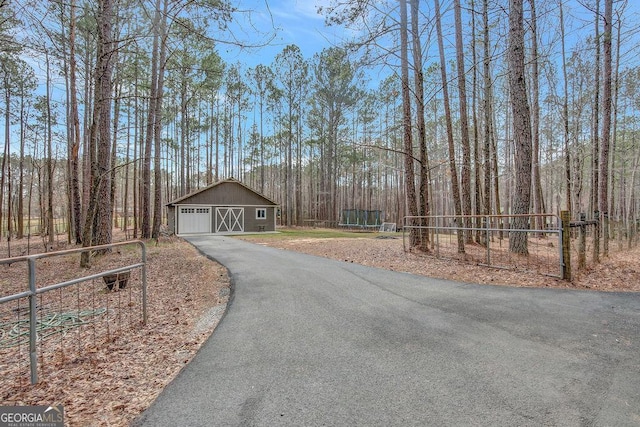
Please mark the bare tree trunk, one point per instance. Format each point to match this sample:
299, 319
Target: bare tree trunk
152, 116
298, 183
423, 208
288, 170
613, 207
477, 182
75, 129
125, 191
20, 219
603, 204
98, 224
486, 67
137, 154
157, 127
464, 123
7, 144
104, 212
88, 156
518, 241
447, 112
409, 175
595, 183
49, 159
7, 139
114, 145
565, 115
538, 201
216, 175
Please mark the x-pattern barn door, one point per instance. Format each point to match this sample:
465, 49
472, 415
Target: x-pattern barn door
229, 220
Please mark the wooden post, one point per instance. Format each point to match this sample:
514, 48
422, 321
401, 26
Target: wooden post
582, 247
596, 238
566, 245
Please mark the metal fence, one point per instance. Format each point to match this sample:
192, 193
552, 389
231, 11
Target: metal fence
584, 234
487, 239
42, 324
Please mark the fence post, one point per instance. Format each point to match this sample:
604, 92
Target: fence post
144, 283
596, 238
566, 245
487, 223
33, 355
582, 247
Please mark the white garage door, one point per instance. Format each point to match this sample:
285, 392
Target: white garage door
194, 220
229, 220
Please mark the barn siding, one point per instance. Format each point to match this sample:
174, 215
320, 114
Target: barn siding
228, 194
253, 224
171, 219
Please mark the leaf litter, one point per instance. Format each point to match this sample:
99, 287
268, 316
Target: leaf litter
111, 382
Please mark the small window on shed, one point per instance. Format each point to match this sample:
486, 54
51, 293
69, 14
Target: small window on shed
261, 213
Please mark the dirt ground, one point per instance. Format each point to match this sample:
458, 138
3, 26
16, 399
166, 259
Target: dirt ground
619, 272
113, 380
108, 381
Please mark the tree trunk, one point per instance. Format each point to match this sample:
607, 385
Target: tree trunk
75, 129
157, 127
447, 112
518, 241
595, 183
603, 190
98, 224
423, 208
7, 141
49, 159
6, 153
152, 116
409, 175
565, 116
538, 202
464, 123
20, 213
477, 181
114, 145
613, 207
486, 62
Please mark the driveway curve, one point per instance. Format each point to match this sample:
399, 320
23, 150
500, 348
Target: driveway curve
309, 341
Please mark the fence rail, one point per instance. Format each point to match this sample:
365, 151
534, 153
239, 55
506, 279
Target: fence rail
487, 239
36, 315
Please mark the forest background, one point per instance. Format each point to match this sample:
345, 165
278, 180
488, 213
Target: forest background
112, 108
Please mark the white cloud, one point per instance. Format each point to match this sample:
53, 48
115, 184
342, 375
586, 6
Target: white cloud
297, 10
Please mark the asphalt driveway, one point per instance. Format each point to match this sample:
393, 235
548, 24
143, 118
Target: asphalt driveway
309, 341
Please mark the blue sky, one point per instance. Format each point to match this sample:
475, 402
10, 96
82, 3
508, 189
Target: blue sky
297, 22
292, 21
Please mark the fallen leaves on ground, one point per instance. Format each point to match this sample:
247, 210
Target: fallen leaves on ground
111, 381
619, 272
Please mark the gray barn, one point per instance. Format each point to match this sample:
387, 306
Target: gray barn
227, 206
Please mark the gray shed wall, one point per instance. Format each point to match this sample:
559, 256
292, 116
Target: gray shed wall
171, 219
226, 194
229, 194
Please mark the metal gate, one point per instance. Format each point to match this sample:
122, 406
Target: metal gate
491, 236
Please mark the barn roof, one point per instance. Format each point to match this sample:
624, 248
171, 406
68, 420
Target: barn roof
224, 181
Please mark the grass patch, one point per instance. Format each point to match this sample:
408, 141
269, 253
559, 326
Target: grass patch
309, 233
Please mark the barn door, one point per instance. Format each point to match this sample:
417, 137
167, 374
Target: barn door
229, 220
